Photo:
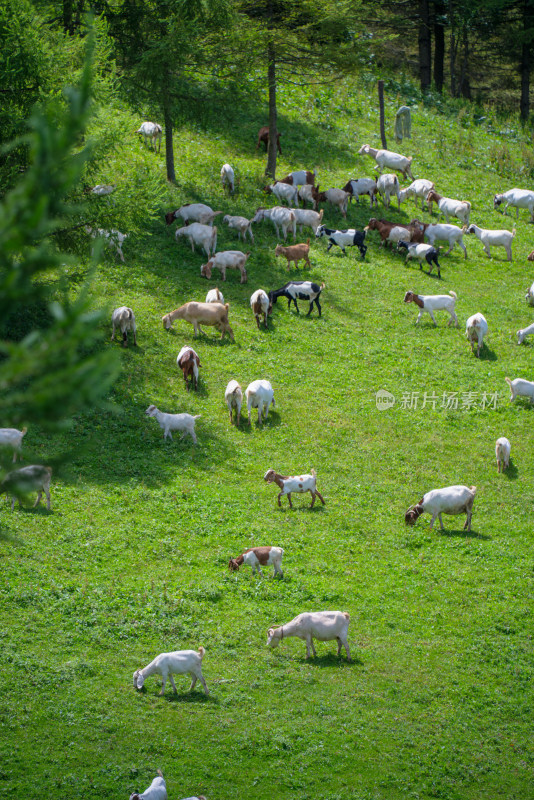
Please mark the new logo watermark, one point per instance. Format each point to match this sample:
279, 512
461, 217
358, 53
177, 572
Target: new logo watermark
448, 401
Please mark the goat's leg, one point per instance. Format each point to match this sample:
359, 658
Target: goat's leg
289, 498
319, 495
39, 495
173, 684
279, 500
113, 333
258, 568
313, 647
313, 497
441, 521
163, 687
346, 646
193, 681
432, 521
468, 519
433, 318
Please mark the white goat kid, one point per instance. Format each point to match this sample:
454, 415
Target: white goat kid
306, 218
156, 791
152, 131
502, 453
174, 422
520, 388
215, 296
280, 217
529, 297
34, 478
258, 557
193, 212
284, 192
179, 662
234, 399
202, 235
434, 302
524, 332
450, 500
324, 626
114, 238
389, 159
388, 185
476, 328
419, 190
228, 177
491, 238
260, 395
124, 319
519, 198
12, 437
239, 224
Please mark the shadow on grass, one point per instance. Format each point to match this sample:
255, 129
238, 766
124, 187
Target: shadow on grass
486, 354
461, 534
511, 472
332, 660
6, 535
190, 698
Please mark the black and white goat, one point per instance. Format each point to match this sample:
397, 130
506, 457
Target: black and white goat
422, 251
343, 239
299, 290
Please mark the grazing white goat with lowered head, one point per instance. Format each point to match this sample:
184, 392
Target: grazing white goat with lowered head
152, 131
12, 437
234, 399
259, 395
156, 791
450, 500
519, 198
179, 662
502, 453
34, 478
476, 328
321, 625
227, 177
280, 217
124, 319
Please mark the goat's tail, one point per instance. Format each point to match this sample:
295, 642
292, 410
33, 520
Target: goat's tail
201, 652
308, 242
453, 294
24, 431
160, 773
509, 382
467, 203
346, 615
473, 489
314, 474
323, 286
197, 416
513, 233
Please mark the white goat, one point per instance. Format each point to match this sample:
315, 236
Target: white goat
476, 328
525, 332
239, 224
152, 131
449, 207
261, 304
389, 159
498, 238
520, 388
294, 483
228, 177
124, 319
529, 297
180, 662
260, 395
202, 235
418, 189
388, 185
434, 302
321, 625
336, 197
103, 189
502, 453
258, 557
215, 296
280, 217
357, 187
284, 192
12, 437
441, 232
193, 212
234, 399
306, 218
114, 237
174, 422
450, 500
520, 198
156, 791
34, 478
307, 194
226, 259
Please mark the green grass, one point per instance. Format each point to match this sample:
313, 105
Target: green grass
132, 561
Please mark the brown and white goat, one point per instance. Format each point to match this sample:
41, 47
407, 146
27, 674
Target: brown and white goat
298, 483
189, 362
261, 304
295, 253
257, 557
411, 232
263, 137
300, 177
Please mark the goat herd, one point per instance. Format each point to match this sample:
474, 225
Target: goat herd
417, 239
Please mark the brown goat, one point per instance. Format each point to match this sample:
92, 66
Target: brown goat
263, 136
294, 252
384, 228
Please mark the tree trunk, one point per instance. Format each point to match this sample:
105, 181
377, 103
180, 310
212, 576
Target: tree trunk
439, 44
425, 45
270, 169
464, 87
382, 120
453, 48
526, 53
169, 152
67, 16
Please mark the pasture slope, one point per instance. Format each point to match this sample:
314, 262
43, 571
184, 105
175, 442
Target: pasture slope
132, 560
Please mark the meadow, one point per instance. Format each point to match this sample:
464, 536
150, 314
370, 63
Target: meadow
132, 559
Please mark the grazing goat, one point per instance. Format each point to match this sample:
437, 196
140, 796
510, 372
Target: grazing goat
502, 453
234, 399
393, 232
294, 483
529, 297
308, 194
422, 251
301, 177
180, 662
450, 500
520, 388
489, 238
388, 185
258, 557
434, 302
336, 197
280, 217
189, 362
215, 296
227, 177
357, 187
418, 189
260, 304
156, 791
114, 238
202, 235
403, 124
299, 290
389, 159
441, 232
321, 625
283, 192
263, 137
226, 259
524, 332
449, 207
174, 422
198, 314
34, 478
260, 395
306, 218
152, 131
12, 437
476, 328
103, 189
124, 318
239, 224
346, 238
294, 253
520, 198
193, 212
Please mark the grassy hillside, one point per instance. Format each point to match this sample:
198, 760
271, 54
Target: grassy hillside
132, 560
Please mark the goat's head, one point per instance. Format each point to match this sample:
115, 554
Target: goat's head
170, 216
259, 215
205, 269
233, 566
138, 677
409, 297
497, 200
273, 637
167, 321
321, 231
413, 514
151, 410
402, 245
269, 476
279, 250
